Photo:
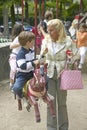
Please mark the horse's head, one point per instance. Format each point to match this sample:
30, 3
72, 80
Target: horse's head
38, 82
41, 69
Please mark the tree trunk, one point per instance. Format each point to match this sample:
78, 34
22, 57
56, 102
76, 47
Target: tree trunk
5, 22
26, 12
12, 15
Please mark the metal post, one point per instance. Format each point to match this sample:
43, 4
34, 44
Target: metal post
22, 13
81, 6
43, 6
80, 11
35, 22
56, 8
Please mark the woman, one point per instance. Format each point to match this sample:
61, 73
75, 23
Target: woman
57, 44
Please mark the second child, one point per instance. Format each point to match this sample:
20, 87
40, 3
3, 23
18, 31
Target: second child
81, 40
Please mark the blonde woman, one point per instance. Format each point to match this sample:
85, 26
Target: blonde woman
57, 44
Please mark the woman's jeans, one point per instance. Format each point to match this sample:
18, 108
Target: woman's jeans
60, 97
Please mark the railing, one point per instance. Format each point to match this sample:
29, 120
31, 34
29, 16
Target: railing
4, 42
4, 58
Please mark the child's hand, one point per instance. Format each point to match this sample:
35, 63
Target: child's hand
36, 62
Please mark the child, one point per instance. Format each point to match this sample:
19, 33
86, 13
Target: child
15, 46
39, 35
25, 61
81, 41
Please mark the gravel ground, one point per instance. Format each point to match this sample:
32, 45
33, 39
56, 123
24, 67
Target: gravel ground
12, 119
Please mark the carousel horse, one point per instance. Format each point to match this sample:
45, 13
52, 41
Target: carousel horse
35, 89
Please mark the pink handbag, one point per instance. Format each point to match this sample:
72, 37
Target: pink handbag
71, 79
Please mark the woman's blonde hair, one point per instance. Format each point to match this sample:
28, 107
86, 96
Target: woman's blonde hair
58, 25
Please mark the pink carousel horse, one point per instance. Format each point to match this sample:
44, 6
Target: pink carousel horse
36, 89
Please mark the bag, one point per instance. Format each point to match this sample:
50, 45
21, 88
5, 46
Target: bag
71, 80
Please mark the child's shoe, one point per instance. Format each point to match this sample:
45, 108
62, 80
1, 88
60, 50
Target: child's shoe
11, 87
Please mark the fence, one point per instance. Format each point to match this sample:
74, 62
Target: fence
4, 64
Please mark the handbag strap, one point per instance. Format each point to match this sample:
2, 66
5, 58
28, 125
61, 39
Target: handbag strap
74, 64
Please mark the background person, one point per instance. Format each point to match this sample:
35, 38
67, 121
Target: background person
48, 16
15, 47
57, 44
39, 35
81, 40
73, 28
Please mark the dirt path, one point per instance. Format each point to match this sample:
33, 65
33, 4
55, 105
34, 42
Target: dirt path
12, 119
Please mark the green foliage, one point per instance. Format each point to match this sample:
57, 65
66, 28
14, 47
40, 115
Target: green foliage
72, 11
50, 4
85, 5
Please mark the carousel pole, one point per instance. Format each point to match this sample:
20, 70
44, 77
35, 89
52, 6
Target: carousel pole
43, 8
22, 13
81, 6
80, 11
35, 22
56, 8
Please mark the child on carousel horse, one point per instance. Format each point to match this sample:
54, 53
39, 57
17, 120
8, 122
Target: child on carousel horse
26, 71
25, 62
